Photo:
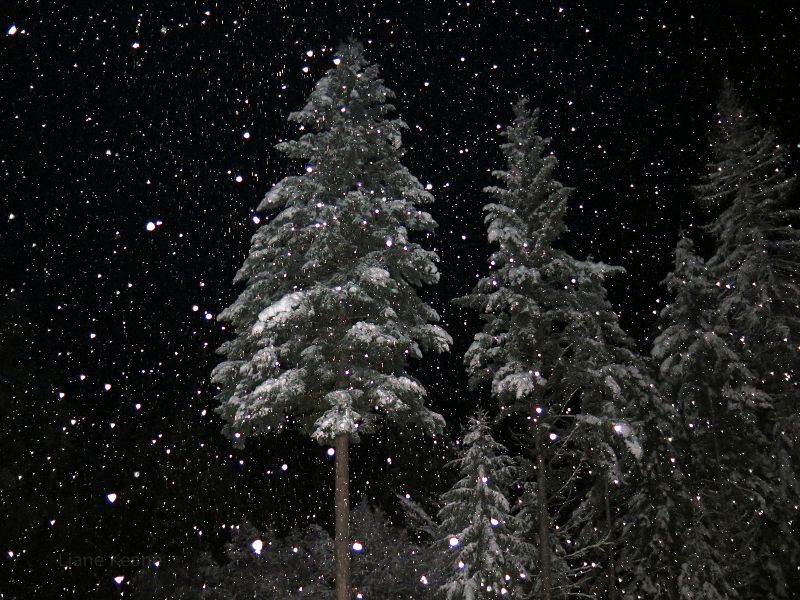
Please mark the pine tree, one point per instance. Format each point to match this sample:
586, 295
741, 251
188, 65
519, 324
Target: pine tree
724, 453
263, 565
756, 262
557, 552
330, 318
653, 510
555, 355
673, 548
389, 562
477, 526
755, 270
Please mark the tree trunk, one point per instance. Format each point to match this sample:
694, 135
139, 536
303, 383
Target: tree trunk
341, 546
612, 568
544, 517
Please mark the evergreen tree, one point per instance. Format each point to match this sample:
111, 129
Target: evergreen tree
426, 534
755, 271
555, 355
389, 562
263, 565
330, 318
558, 540
476, 524
674, 549
756, 263
725, 455
653, 511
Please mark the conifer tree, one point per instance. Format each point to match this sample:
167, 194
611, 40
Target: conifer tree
724, 452
675, 549
390, 563
756, 263
263, 565
556, 358
487, 557
755, 271
330, 318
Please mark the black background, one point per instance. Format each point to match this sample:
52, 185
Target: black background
100, 137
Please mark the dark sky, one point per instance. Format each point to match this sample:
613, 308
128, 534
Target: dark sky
120, 114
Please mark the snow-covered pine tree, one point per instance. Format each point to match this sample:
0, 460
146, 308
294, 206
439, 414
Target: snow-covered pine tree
487, 557
756, 272
256, 564
725, 455
557, 358
673, 546
561, 575
756, 262
330, 318
263, 565
389, 563
425, 534
653, 510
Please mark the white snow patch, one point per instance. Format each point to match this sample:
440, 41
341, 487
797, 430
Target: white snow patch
613, 386
588, 419
283, 306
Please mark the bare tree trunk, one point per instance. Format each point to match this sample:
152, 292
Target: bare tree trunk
341, 546
612, 568
544, 517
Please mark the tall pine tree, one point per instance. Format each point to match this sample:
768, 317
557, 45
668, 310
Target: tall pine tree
702, 376
477, 526
330, 318
557, 360
755, 271
756, 263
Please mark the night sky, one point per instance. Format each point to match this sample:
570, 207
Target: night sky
137, 139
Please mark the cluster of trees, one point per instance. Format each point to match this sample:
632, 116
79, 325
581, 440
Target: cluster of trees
672, 476
387, 562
